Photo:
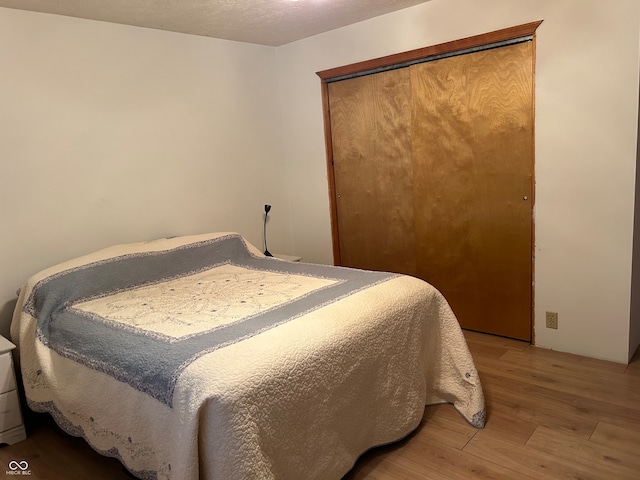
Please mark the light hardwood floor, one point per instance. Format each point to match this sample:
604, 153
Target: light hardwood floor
550, 416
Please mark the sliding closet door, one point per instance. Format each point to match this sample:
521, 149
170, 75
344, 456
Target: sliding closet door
472, 138
373, 171
432, 165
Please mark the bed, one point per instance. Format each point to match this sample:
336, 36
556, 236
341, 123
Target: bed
199, 357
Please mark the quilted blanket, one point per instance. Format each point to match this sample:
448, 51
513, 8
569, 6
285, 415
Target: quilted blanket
198, 357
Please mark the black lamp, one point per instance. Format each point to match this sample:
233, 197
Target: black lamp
267, 208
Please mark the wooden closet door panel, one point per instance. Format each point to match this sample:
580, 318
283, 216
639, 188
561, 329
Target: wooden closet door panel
473, 156
371, 140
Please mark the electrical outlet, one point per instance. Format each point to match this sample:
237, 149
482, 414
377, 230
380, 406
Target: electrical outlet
552, 320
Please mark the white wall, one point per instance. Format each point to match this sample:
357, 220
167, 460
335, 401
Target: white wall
586, 136
112, 134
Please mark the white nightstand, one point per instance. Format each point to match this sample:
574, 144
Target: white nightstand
11, 423
288, 258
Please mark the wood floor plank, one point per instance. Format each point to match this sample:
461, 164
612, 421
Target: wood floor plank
549, 407
438, 461
574, 361
503, 425
622, 438
606, 382
443, 422
607, 401
538, 405
587, 457
524, 460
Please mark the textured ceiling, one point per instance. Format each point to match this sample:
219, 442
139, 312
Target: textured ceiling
266, 22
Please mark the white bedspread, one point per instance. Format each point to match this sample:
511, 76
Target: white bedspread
298, 399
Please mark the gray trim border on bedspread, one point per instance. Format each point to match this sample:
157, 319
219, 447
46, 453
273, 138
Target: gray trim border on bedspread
148, 362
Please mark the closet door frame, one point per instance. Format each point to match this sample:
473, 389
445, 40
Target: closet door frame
388, 62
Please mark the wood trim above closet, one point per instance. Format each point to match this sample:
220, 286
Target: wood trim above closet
442, 48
